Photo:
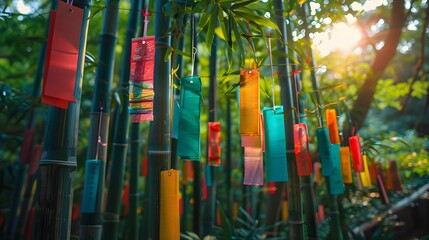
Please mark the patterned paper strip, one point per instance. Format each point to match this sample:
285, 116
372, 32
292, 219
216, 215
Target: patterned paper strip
275, 154
141, 91
356, 153
249, 102
62, 56
331, 121
365, 178
169, 227
346, 165
302, 150
324, 146
336, 185
214, 143
188, 142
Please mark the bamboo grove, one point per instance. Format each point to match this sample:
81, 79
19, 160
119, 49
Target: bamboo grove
216, 125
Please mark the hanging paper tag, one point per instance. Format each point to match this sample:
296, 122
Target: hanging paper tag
169, 226
90, 187
125, 199
62, 55
317, 174
324, 146
253, 166
141, 91
396, 179
346, 165
321, 212
275, 152
285, 210
372, 171
356, 153
214, 143
249, 102
176, 117
381, 184
331, 121
26, 145
336, 186
188, 142
365, 178
144, 166
302, 151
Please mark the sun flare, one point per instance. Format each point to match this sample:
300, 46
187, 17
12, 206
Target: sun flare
342, 37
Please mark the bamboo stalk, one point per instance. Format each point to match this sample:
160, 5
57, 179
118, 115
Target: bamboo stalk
58, 162
91, 222
120, 142
159, 132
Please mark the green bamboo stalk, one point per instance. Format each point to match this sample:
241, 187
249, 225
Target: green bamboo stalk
296, 221
58, 162
120, 142
19, 208
134, 177
306, 183
210, 211
228, 161
159, 132
91, 222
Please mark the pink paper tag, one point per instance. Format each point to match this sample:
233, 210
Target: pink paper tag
253, 166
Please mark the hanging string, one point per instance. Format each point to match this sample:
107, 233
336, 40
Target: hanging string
99, 142
297, 90
146, 16
248, 43
194, 49
272, 70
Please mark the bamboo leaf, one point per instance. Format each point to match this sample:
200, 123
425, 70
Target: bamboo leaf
228, 231
211, 27
242, 4
260, 20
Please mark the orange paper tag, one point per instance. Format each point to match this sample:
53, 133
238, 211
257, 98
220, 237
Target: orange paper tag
169, 227
249, 102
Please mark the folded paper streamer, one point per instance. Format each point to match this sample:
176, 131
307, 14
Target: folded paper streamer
90, 187
381, 183
285, 210
364, 176
188, 142
214, 143
346, 165
331, 121
394, 172
253, 166
249, 102
324, 146
141, 92
275, 152
62, 55
356, 153
302, 151
336, 185
169, 226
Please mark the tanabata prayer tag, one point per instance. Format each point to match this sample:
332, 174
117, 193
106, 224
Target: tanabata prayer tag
324, 146
346, 165
275, 149
141, 92
364, 175
302, 151
169, 226
62, 55
90, 188
356, 153
249, 102
214, 143
331, 121
188, 142
336, 186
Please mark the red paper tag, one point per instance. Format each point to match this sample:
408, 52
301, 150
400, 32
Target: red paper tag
356, 153
214, 143
62, 56
302, 151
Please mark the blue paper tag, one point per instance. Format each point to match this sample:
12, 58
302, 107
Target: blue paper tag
324, 147
275, 145
90, 187
336, 185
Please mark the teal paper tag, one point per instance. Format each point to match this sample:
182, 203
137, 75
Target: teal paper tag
336, 185
188, 142
90, 187
275, 145
324, 147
